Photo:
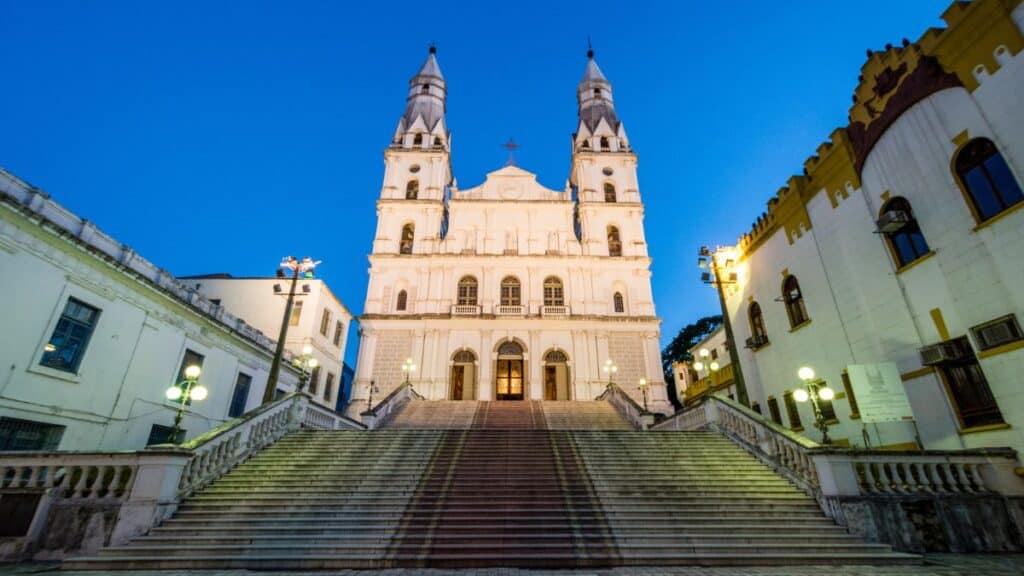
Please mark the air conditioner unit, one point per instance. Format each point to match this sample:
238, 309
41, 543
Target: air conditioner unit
755, 342
997, 332
943, 352
893, 221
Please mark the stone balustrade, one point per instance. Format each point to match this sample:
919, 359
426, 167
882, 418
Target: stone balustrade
974, 495
95, 499
627, 407
380, 414
465, 310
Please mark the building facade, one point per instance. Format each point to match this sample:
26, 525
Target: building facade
713, 374
509, 290
93, 335
318, 320
902, 242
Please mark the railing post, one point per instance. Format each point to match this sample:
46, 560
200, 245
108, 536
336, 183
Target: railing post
154, 493
295, 412
998, 474
837, 475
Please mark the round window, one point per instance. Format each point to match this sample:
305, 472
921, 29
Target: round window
414, 168
608, 171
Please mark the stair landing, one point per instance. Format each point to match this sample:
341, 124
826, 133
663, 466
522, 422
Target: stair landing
508, 415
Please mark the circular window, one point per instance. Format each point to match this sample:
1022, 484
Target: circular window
607, 171
414, 168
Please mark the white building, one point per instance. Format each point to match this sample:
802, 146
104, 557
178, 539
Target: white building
712, 374
509, 290
903, 242
318, 319
93, 335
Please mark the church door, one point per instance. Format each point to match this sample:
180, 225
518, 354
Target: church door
458, 379
550, 383
509, 380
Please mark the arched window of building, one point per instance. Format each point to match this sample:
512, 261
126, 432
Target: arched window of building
604, 143
403, 298
986, 179
609, 192
619, 303
901, 231
405, 246
425, 88
412, 189
511, 291
464, 357
794, 300
417, 140
757, 329
614, 242
467, 291
554, 293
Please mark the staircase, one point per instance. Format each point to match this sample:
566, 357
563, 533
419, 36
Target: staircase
506, 489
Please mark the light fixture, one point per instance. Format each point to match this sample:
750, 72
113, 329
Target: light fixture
826, 393
192, 372
800, 395
698, 365
49, 347
714, 365
307, 350
173, 393
704, 353
313, 363
805, 373
198, 393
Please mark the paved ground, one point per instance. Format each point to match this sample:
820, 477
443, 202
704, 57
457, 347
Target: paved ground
935, 565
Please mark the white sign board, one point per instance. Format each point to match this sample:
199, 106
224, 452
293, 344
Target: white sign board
880, 394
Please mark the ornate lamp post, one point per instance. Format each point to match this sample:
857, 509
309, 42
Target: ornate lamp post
408, 368
815, 391
610, 368
644, 385
305, 363
181, 393
719, 275
704, 365
304, 269
369, 397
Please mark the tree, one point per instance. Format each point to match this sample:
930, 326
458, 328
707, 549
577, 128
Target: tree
678, 350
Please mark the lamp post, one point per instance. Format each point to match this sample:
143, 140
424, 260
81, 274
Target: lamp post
303, 268
815, 391
644, 385
703, 365
708, 260
369, 397
610, 368
408, 368
305, 363
181, 393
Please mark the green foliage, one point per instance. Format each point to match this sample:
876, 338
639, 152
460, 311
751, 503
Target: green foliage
678, 350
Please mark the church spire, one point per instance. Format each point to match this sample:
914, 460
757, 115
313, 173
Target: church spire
422, 124
599, 128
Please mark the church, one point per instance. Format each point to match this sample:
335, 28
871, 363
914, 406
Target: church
509, 290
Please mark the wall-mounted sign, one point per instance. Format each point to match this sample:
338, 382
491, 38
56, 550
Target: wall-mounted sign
880, 394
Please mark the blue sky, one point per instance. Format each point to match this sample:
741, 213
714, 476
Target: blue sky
221, 136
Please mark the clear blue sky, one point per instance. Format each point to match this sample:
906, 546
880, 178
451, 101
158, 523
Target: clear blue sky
221, 136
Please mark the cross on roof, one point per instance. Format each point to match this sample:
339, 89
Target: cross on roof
511, 146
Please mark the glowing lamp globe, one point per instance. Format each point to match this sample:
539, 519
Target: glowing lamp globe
805, 373
313, 363
198, 393
704, 353
698, 365
307, 350
800, 395
714, 365
192, 372
826, 393
173, 393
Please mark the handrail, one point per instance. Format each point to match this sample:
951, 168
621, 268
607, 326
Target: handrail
217, 431
626, 406
379, 414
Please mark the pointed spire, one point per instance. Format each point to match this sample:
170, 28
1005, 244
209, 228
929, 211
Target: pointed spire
430, 66
422, 124
592, 72
600, 127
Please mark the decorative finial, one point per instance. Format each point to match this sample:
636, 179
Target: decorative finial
511, 146
590, 48
433, 48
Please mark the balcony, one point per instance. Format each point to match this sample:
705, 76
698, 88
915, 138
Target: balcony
554, 311
516, 310
465, 310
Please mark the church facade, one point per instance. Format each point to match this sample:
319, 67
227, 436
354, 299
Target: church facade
509, 290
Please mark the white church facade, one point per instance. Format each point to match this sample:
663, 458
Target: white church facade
509, 290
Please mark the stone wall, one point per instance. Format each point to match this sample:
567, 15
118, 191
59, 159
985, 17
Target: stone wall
627, 350
392, 350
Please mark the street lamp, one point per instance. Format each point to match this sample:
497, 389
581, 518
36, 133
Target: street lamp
610, 368
706, 366
644, 385
306, 363
369, 397
717, 277
182, 392
300, 268
815, 391
408, 368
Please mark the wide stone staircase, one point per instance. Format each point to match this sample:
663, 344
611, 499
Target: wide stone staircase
523, 484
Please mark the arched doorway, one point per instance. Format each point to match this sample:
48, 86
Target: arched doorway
462, 384
508, 375
556, 375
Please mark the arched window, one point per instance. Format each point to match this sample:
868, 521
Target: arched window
556, 357
510, 348
412, 189
619, 303
609, 192
437, 142
986, 178
554, 294
467, 291
510, 291
614, 242
604, 143
405, 246
794, 300
464, 357
417, 140
757, 329
902, 232
403, 298
425, 88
